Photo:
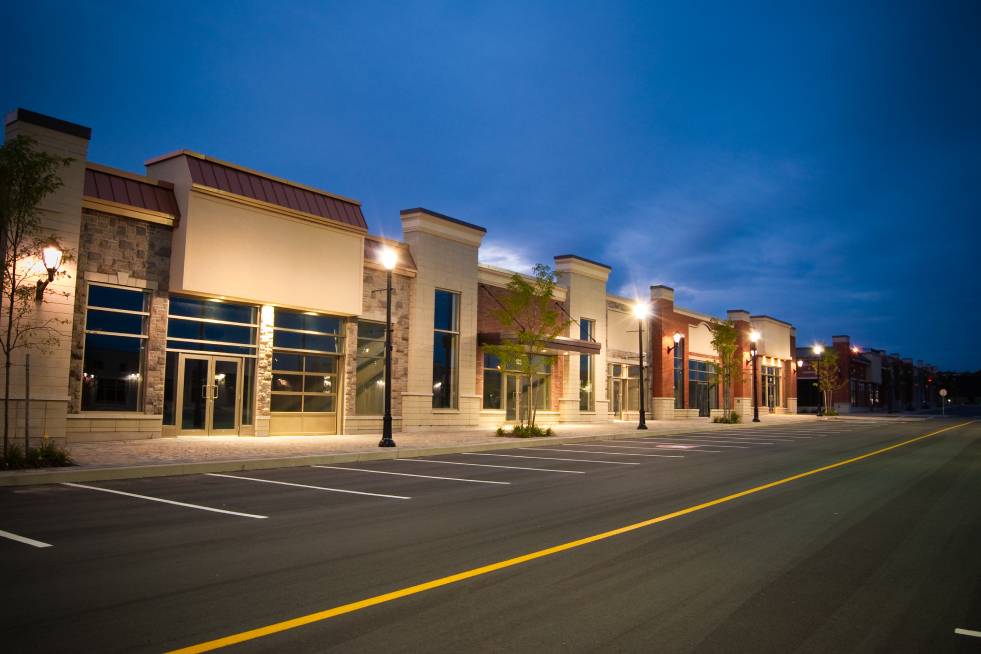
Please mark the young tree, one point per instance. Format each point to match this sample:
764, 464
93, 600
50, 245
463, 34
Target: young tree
725, 340
529, 315
27, 176
828, 376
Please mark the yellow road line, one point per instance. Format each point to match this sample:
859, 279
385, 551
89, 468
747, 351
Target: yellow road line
310, 618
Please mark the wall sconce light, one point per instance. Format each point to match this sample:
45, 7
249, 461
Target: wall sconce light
677, 340
51, 257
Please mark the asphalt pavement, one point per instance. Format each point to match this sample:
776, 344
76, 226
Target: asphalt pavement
811, 537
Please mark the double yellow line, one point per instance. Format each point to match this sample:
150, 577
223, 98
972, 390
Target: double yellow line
319, 616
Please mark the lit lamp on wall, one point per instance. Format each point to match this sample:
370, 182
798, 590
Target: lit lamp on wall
641, 311
389, 258
754, 336
51, 257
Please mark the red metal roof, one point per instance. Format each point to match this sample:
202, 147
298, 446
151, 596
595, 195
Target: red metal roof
234, 179
104, 183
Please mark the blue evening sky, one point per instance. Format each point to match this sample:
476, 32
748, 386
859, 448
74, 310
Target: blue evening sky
820, 162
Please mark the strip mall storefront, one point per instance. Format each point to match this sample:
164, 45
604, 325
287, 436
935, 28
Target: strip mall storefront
205, 298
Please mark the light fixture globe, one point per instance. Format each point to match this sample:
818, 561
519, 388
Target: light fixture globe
800, 363
641, 310
754, 336
51, 256
818, 349
677, 337
389, 258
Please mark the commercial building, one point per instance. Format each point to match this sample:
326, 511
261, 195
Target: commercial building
868, 380
205, 298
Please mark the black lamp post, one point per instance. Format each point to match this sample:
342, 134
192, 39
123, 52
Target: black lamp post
754, 336
818, 350
678, 338
641, 311
388, 259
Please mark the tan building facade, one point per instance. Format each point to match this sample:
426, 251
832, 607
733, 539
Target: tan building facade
205, 298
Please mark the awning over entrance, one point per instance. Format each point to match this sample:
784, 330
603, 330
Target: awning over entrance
555, 346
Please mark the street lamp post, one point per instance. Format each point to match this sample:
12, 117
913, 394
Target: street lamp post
754, 336
388, 259
641, 311
818, 350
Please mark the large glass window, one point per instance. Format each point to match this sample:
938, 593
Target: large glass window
538, 391
623, 387
679, 374
703, 386
114, 364
492, 382
370, 373
445, 336
210, 326
587, 332
771, 386
306, 362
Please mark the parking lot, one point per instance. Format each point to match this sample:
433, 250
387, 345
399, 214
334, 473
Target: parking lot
276, 543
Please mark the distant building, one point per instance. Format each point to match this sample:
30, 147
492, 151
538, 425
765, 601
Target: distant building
869, 380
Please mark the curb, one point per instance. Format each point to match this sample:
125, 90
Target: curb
82, 474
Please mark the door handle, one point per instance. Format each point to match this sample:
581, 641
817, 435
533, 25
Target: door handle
215, 395
204, 391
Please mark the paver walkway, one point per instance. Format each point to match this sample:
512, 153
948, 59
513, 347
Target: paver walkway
190, 449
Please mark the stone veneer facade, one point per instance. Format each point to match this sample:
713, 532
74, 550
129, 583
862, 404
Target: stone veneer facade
127, 252
374, 310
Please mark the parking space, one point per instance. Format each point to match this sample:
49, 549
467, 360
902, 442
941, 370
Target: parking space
333, 490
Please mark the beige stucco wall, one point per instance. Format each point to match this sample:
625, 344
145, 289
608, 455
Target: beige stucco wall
700, 341
621, 331
224, 247
585, 285
774, 338
445, 254
61, 218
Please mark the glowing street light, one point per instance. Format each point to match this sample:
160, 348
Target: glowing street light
754, 336
388, 258
51, 258
641, 311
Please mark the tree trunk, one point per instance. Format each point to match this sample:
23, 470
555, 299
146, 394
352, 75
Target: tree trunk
6, 363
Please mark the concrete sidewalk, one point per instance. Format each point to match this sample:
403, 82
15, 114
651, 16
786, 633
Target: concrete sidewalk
197, 454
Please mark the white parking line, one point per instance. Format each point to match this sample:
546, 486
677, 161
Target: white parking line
666, 446
487, 465
409, 474
552, 458
694, 442
323, 488
716, 439
968, 632
660, 456
160, 499
24, 539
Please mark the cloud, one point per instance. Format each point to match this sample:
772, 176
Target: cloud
504, 255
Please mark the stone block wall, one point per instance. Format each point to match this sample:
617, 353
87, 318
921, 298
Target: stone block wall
373, 309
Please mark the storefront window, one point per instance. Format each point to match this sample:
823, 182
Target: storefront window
679, 374
115, 349
496, 379
370, 369
587, 332
445, 336
492, 382
306, 362
702, 386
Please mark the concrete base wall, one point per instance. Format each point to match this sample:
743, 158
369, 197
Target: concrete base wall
94, 427
47, 419
369, 424
418, 411
743, 406
663, 408
791, 405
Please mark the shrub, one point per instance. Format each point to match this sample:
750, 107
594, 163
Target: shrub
730, 418
525, 431
46, 455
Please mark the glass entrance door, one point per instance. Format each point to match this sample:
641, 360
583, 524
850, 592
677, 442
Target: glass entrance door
511, 397
210, 394
616, 398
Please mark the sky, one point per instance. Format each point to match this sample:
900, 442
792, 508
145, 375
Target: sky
816, 162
